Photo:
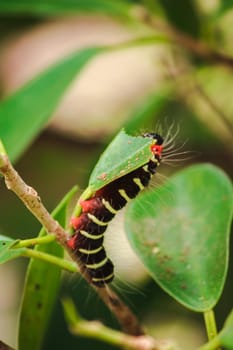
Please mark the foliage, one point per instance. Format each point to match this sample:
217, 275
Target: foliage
180, 230
180, 241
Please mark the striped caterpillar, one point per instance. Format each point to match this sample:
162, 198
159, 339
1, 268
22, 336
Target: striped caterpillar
99, 210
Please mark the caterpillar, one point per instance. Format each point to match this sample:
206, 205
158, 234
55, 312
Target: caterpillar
99, 210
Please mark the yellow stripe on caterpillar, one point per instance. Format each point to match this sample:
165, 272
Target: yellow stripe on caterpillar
97, 265
91, 251
138, 182
96, 221
145, 168
104, 278
124, 195
108, 206
88, 235
155, 160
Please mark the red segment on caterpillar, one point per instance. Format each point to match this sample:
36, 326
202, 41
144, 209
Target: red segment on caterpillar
77, 222
90, 204
71, 243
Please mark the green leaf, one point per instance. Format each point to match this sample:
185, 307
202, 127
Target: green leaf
41, 288
124, 154
223, 338
224, 6
25, 113
226, 334
181, 233
183, 14
6, 253
58, 7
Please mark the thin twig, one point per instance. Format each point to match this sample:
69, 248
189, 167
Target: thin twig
197, 47
63, 264
30, 198
215, 107
193, 45
188, 89
97, 330
129, 322
32, 201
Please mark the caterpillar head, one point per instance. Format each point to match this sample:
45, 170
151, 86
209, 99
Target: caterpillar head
157, 146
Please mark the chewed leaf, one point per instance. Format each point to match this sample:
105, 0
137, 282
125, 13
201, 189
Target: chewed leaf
181, 233
124, 154
6, 253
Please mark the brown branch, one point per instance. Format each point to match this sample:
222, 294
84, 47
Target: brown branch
214, 107
96, 330
129, 322
197, 47
32, 201
188, 88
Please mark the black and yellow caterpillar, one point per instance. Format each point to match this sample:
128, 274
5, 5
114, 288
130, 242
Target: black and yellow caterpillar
99, 210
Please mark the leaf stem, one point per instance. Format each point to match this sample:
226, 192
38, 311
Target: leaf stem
62, 263
210, 324
96, 330
34, 241
3, 154
2, 148
211, 345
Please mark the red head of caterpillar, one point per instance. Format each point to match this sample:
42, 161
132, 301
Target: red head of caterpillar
156, 149
157, 146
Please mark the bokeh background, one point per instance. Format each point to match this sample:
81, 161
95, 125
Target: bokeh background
182, 87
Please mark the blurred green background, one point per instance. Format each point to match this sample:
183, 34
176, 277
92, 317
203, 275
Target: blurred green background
138, 87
